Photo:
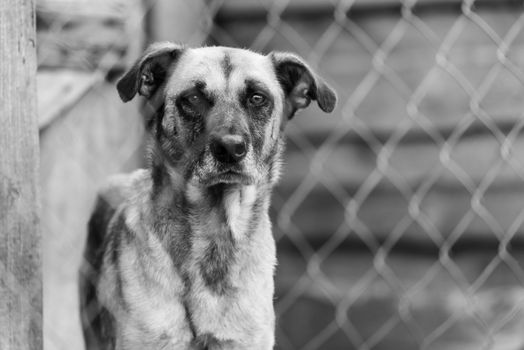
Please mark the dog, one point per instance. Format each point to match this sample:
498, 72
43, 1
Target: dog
180, 255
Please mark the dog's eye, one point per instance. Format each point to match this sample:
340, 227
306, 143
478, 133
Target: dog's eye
257, 99
193, 99
191, 102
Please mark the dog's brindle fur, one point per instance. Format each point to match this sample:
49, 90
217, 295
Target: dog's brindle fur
180, 255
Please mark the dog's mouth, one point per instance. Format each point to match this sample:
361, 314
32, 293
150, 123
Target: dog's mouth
229, 177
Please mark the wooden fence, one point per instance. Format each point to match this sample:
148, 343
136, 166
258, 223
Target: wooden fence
20, 272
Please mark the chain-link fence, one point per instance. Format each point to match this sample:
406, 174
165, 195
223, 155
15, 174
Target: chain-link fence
399, 220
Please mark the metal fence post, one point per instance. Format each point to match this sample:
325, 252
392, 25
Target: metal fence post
20, 271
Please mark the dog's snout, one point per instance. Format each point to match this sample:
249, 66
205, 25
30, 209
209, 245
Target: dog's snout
228, 148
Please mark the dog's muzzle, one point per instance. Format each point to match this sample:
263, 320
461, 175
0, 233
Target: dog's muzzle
230, 152
228, 149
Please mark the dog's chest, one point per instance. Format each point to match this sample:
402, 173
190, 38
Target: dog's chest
220, 242
231, 288
230, 269
221, 287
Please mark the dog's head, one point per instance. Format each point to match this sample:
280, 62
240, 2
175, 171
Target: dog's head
221, 111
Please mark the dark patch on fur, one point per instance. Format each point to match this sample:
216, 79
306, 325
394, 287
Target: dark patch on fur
258, 115
192, 116
97, 227
150, 111
119, 229
288, 76
200, 85
190, 109
115, 248
257, 137
103, 325
175, 238
149, 73
214, 196
189, 315
290, 111
218, 257
262, 112
215, 265
193, 164
162, 150
206, 341
97, 322
159, 117
158, 175
290, 71
227, 67
179, 247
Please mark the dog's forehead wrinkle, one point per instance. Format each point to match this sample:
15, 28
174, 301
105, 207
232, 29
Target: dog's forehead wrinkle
194, 67
259, 71
227, 67
234, 68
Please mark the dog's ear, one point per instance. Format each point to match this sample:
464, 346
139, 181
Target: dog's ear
301, 84
149, 71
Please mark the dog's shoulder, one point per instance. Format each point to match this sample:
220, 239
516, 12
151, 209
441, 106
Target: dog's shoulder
116, 197
117, 193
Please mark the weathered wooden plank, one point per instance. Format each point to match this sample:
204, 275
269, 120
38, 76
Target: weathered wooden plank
20, 272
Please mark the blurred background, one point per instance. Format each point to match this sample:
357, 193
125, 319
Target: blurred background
399, 218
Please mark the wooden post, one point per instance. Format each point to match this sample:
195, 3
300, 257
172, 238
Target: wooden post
20, 271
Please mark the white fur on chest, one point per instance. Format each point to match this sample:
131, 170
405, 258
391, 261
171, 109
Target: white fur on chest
238, 205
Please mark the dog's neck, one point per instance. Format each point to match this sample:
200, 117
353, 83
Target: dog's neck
233, 201
234, 207
213, 224
237, 208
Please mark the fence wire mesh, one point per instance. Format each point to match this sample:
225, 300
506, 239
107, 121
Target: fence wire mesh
399, 220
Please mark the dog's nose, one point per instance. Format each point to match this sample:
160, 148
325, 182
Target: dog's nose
228, 148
